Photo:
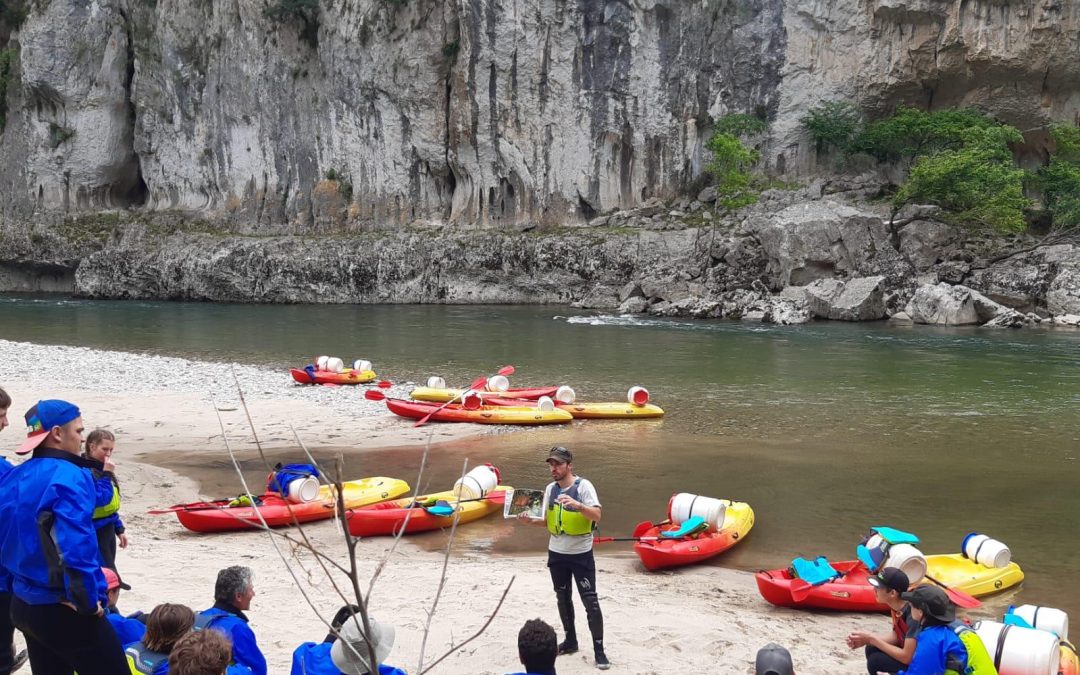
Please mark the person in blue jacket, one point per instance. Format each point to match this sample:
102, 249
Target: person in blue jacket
320, 658
110, 529
49, 547
233, 592
202, 652
537, 648
129, 629
9, 660
938, 648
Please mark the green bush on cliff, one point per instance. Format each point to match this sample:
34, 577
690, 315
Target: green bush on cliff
7, 59
911, 133
739, 125
977, 183
833, 125
13, 12
730, 167
1060, 180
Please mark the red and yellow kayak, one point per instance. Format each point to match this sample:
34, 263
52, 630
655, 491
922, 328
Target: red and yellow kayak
443, 395
586, 410
454, 412
388, 518
219, 516
1070, 663
657, 553
348, 376
853, 593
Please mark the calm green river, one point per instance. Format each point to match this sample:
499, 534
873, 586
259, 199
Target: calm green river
825, 429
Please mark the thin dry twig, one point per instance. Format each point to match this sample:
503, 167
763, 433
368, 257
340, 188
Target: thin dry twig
478, 633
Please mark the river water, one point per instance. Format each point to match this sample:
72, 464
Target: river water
825, 429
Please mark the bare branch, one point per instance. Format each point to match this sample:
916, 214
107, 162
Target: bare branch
478, 633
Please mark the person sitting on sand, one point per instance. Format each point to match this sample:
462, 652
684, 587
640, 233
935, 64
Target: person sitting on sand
204, 652
938, 649
350, 654
9, 660
165, 626
772, 659
537, 648
233, 592
889, 653
99, 449
128, 628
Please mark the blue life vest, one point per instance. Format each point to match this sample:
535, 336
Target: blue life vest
142, 661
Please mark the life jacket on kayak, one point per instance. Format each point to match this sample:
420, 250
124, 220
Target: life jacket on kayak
143, 661
978, 659
564, 520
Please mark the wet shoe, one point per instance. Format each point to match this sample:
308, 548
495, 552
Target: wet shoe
601, 661
568, 647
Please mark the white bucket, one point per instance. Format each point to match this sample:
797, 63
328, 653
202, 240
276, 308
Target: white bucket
1024, 651
565, 394
303, 490
320, 363
471, 400
684, 506
498, 383
638, 395
545, 404
1044, 618
904, 557
361, 364
986, 551
477, 482
436, 382
335, 365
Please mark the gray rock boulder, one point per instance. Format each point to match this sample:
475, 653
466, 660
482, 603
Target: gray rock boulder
787, 312
635, 305
630, 290
1063, 294
925, 243
1010, 318
860, 299
943, 305
600, 297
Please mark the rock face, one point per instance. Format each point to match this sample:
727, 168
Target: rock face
373, 114
861, 299
944, 305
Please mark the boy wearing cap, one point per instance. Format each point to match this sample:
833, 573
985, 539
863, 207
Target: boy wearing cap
128, 628
9, 660
889, 653
49, 546
939, 649
772, 659
573, 510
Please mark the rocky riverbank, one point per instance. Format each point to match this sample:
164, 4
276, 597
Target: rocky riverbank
827, 251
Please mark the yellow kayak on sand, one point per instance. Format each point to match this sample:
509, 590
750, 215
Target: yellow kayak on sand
963, 574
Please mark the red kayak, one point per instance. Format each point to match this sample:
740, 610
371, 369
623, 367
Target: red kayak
657, 553
348, 376
387, 518
850, 593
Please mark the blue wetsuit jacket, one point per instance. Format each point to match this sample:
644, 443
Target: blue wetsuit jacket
313, 658
938, 649
233, 623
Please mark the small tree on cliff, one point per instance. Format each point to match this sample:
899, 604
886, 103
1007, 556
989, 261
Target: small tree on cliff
912, 133
1060, 180
733, 160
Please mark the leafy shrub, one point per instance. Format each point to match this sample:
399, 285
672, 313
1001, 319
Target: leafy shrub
1060, 180
7, 77
739, 125
730, 166
912, 133
977, 182
833, 125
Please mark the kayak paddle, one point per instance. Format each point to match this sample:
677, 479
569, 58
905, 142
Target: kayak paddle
478, 383
800, 589
959, 598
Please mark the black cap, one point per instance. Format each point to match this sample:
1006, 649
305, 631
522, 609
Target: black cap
560, 454
891, 578
933, 601
772, 659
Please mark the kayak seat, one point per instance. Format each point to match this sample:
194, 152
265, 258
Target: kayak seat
814, 572
894, 536
690, 526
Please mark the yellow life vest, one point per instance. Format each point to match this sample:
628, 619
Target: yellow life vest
112, 507
978, 661
565, 521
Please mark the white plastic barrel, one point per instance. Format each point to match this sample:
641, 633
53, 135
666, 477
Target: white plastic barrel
498, 383
361, 364
436, 382
335, 365
477, 482
320, 363
684, 506
1024, 651
545, 404
902, 556
471, 400
986, 551
638, 395
303, 490
1044, 618
565, 394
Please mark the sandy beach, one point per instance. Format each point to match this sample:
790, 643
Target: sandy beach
704, 619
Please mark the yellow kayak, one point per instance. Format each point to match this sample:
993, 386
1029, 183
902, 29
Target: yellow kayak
614, 410
956, 571
484, 415
388, 518
443, 395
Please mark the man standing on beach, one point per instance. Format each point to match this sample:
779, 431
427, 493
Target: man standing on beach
49, 547
9, 660
573, 509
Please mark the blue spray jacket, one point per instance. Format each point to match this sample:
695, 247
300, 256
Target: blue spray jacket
313, 658
234, 625
47, 538
6, 467
938, 649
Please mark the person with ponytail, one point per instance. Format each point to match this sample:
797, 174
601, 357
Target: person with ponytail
100, 444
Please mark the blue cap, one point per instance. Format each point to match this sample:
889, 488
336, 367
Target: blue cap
43, 418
